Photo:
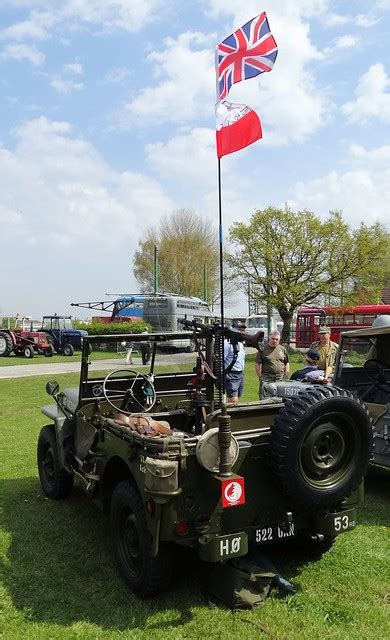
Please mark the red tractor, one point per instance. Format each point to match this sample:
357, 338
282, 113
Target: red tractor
24, 341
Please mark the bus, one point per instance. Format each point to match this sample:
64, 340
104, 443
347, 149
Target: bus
338, 319
164, 311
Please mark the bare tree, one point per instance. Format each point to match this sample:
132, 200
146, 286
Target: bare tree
187, 250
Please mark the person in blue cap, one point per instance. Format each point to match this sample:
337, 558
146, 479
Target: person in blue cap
310, 361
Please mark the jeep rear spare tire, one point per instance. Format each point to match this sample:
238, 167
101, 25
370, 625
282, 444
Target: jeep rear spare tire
320, 446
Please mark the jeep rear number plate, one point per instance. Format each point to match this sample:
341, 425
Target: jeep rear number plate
344, 521
274, 533
230, 545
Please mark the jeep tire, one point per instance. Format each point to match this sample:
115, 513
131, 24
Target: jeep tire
6, 345
56, 482
320, 446
146, 575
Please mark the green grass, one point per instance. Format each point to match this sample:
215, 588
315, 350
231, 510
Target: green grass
60, 581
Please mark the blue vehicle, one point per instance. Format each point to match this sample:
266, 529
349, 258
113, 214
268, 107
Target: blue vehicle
64, 337
129, 306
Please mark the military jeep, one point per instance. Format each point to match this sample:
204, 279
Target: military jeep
171, 464
363, 367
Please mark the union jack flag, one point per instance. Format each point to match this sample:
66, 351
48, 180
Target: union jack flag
244, 54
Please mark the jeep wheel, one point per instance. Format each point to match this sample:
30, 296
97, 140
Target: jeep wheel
56, 482
68, 349
28, 351
5, 344
145, 574
320, 445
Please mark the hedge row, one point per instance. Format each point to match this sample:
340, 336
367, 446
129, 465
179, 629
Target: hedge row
110, 328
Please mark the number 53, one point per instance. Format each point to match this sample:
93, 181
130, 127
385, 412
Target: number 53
341, 523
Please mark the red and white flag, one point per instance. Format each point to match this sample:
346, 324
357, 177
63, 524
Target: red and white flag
244, 54
237, 127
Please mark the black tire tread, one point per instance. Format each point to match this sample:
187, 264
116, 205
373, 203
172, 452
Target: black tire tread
157, 570
282, 432
63, 482
9, 345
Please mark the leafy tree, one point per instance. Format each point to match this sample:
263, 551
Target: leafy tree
293, 258
186, 243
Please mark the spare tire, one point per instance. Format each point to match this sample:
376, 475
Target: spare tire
320, 446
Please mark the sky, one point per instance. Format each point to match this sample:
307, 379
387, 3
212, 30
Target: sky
107, 124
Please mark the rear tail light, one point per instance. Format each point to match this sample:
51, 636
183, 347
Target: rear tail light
182, 527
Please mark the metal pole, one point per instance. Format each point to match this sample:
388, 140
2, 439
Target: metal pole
155, 265
221, 266
205, 288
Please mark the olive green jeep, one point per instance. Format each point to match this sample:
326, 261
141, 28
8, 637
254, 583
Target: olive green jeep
171, 464
363, 367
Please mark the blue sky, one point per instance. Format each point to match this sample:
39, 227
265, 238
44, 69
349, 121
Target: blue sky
107, 124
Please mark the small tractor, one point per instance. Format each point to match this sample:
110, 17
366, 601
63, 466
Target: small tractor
61, 333
23, 340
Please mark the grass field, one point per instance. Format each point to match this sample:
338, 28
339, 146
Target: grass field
60, 582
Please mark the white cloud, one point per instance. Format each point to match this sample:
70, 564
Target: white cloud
365, 20
47, 16
336, 20
346, 42
189, 155
65, 192
15, 51
74, 68
119, 75
372, 97
379, 155
66, 86
362, 194
37, 27
187, 88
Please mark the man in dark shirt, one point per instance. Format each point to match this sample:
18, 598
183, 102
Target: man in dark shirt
271, 362
310, 361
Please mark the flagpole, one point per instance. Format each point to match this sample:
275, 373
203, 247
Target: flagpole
221, 271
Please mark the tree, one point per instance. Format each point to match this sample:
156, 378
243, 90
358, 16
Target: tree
187, 244
294, 258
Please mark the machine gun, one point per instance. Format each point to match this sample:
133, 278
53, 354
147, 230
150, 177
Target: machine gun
201, 330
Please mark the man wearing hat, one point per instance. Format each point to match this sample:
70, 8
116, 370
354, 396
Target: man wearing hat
327, 350
310, 361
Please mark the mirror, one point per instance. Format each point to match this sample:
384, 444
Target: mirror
52, 387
